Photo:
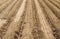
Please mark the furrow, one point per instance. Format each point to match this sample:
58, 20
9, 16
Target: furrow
5, 12
9, 17
2, 2
45, 26
28, 22
54, 20
3, 6
53, 8
55, 3
14, 24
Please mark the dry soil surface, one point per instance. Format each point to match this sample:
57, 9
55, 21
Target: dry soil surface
29, 19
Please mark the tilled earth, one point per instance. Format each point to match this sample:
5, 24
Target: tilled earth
29, 19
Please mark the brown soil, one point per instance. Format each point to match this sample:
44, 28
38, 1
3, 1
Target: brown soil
29, 19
